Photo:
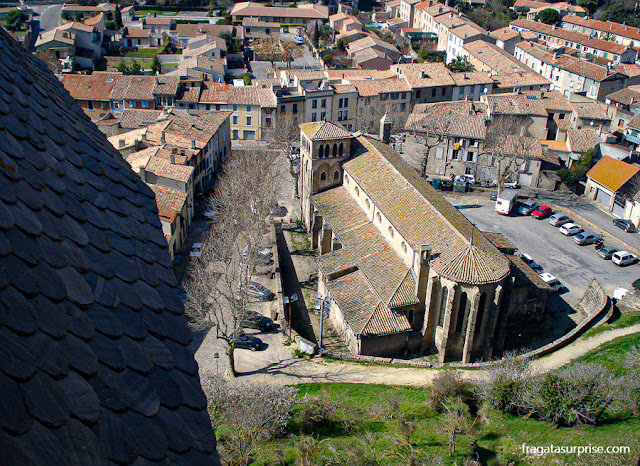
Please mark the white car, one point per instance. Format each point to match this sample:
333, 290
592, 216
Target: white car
196, 250
299, 39
570, 229
527, 259
623, 258
552, 281
619, 292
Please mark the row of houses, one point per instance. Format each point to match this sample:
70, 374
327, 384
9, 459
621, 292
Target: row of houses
346, 96
177, 154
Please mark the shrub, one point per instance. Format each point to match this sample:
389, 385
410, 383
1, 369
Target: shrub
247, 79
318, 411
505, 382
110, 25
580, 393
446, 384
503, 394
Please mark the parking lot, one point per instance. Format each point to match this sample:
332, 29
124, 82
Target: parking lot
573, 265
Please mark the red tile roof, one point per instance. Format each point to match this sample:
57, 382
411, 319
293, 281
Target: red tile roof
612, 173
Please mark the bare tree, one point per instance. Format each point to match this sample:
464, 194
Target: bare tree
368, 118
428, 130
283, 135
505, 381
507, 147
454, 424
218, 280
251, 413
268, 49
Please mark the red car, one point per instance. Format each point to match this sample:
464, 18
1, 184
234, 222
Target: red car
542, 212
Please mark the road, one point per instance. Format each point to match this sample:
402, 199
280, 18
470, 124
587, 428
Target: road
573, 265
49, 15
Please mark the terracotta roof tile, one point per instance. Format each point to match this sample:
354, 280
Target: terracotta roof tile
590, 111
323, 130
164, 168
170, 202
96, 86
372, 87
612, 173
420, 75
452, 124
580, 140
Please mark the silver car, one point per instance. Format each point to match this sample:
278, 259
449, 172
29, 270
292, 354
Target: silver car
559, 219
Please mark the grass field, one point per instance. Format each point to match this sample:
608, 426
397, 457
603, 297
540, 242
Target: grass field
144, 53
611, 354
624, 320
374, 438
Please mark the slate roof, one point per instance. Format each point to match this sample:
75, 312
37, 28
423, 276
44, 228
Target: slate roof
323, 130
95, 366
612, 173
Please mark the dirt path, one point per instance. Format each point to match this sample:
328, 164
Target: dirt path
279, 364
580, 347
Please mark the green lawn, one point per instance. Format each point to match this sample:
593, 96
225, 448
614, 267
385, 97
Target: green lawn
374, 438
144, 53
611, 354
624, 320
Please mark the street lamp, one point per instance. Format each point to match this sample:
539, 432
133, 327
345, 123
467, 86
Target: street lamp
290, 301
322, 305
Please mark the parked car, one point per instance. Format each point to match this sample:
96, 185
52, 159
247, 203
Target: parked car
570, 229
557, 220
541, 212
586, 237
527, 259
257, 290
623, 258
196, 250
511, 185
257, 321
619, 292
467, 179
299, 39
263, 256
552, 281
527, 207
625, 225
245, 341
607, 251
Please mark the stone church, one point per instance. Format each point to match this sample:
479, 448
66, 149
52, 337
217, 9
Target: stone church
405, 271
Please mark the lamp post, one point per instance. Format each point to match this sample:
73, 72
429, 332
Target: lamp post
290, 301
323, 305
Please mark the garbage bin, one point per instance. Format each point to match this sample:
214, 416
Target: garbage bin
460, 186
436, 183
446, 185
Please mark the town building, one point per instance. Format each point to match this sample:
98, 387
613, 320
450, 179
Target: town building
252, 28
609, 30
92, 92
77, 44
433, 282
613, 184
301, 14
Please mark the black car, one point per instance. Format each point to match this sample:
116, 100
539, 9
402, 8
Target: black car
625, 225
245, 341
257, 321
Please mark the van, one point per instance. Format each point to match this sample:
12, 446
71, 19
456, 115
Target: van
505, 201
552, 281
623, 258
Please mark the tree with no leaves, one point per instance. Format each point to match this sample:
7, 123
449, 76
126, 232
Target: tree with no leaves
429, 130
454, 424
268, 49
506, 147
218, 280
283, 134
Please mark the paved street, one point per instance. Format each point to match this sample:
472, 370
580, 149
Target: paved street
573, 265
49, 14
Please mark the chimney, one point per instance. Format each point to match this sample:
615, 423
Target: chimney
385, 129
120, 142
174, 150
193, 143
162, 140
141, 173
172, 158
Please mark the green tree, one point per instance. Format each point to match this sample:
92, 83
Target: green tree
316, 36
135, 68
117, 17
578, 171
14, 20
619, 14
460, 65
590, 5
123, 68
156, 66
65, 15
549, 16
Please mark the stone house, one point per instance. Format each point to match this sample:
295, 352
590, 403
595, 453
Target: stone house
404, 270
613, 184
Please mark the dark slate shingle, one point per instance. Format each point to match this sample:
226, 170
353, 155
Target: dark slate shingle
94, 360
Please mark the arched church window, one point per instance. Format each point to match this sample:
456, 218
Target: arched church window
323, 176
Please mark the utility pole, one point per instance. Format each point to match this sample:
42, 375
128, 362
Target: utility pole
323, 305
